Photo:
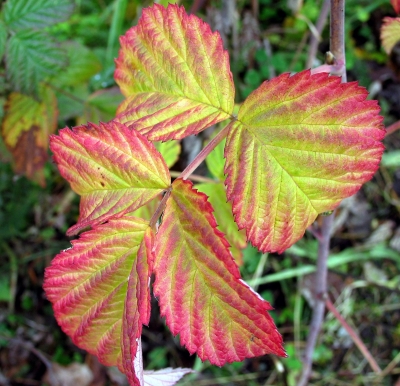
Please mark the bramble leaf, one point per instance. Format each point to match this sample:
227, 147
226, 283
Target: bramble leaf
215, 161
22, 14
175, 74
199, 287
226, 224
92, 299
31, 57
301, 144
26, 128
390, 33
115, 170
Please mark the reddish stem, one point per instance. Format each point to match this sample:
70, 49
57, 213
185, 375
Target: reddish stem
356, 339
204, 153
392, 128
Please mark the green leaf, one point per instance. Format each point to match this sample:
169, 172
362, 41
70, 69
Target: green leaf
170, 151
3, 39
215, 161
31, 57
22, 14
82, 65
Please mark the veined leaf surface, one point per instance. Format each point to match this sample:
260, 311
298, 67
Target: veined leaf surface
88, 285
390, 33
175, 74
32, 57
301, 144
115, 169
199, 287
22, 14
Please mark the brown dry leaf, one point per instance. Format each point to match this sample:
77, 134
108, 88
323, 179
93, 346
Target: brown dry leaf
26, 128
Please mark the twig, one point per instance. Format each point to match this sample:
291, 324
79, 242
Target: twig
314, 40
356, 339
337, 48
204, 153
320, 292
194, 177
392, 128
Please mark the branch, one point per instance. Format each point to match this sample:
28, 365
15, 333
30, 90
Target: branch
320, 294
392, 128
337, 48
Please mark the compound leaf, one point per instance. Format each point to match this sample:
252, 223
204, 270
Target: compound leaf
199, 287
26, 128
31, 57
22, 14
115, 170
175, 74
301, 144
88, 285
390, 33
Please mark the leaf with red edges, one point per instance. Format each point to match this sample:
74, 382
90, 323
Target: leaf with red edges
199, 287
88, 285
226, 224
390, 33
115, 170
137, 307
396, 5
175, 74
301, 144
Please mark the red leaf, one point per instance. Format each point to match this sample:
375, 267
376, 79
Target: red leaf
199, 287
175, 74
137, 307
88, 283
115, 169
301, 144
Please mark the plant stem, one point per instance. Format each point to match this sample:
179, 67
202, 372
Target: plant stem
320, 295
320, 291
392, 128
356, 339
194, 177
337, 34
204, 153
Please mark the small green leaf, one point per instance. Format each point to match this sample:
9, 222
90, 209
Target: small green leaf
31, 57
22, 14
215, 161
170, 151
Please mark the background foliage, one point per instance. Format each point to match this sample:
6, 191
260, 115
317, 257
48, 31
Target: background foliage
57, 69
